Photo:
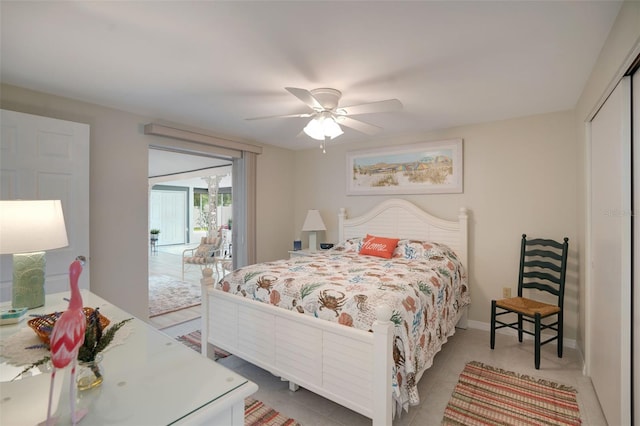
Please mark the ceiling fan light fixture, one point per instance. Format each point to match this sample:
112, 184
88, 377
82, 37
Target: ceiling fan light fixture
314, 129
323, 126
328, 117
331, 128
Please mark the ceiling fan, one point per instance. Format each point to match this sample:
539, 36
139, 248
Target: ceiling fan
327, 116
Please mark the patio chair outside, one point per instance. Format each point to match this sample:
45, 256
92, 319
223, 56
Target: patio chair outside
203, 255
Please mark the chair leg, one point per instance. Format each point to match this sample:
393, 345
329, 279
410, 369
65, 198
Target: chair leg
560, 334
520, 334
493, 324
537, 341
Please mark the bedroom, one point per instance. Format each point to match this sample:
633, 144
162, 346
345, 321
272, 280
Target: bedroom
500, 192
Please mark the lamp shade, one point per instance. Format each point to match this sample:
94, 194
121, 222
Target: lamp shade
313, 222
31, 225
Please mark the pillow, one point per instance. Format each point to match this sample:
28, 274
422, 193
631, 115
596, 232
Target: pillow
379, 246
349, 245
207, 247
415, 249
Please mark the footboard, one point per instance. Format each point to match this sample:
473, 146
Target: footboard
348, 366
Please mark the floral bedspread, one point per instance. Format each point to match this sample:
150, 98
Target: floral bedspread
424, 284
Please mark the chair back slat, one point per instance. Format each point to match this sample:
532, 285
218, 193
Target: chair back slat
544, 253
545, 243
555, 279
543, 265
555, 290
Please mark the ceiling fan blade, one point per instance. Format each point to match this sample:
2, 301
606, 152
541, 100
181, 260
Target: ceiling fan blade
303, 115
369, 108
306, 97
361, 126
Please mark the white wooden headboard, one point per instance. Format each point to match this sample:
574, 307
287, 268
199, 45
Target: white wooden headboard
397, 218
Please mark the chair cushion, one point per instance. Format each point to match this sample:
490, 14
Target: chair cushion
200, 260
207, 247
527, 307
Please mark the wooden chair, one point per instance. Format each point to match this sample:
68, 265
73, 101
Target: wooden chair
543, 266
204, 255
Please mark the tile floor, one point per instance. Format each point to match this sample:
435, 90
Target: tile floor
436, 385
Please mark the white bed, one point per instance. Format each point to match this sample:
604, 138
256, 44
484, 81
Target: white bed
349, 366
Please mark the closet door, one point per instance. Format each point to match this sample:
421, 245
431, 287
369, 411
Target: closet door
609, 305
636, 244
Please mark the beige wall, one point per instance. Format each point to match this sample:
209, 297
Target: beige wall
274, 200
119, 193
519, 177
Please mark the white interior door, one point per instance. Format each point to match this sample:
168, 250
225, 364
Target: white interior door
43, 158
609, 302
168, 212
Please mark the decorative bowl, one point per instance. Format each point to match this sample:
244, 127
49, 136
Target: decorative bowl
43, 325
326, 246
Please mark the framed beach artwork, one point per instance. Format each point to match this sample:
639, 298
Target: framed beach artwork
421, 168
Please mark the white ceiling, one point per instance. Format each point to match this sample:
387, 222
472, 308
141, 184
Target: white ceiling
212, 64
167, 166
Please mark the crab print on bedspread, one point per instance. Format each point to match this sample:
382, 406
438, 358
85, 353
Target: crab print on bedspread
425, 293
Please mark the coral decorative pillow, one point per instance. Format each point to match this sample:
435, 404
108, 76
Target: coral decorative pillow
379, 246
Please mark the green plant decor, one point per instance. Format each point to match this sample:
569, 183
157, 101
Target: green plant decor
154, 231
95, 341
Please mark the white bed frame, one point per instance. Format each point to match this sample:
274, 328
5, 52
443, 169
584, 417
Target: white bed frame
349, 366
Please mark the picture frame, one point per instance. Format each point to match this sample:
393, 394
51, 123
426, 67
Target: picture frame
420, 168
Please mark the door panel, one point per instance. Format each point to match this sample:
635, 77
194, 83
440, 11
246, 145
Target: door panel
609, 310
44, 158
168, 213
635, 167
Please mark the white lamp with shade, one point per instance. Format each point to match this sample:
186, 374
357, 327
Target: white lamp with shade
313, 223
27, 229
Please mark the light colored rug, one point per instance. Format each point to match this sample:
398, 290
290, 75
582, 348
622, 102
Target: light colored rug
168, 294
487, 395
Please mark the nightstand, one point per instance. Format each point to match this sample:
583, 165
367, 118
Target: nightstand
302, 253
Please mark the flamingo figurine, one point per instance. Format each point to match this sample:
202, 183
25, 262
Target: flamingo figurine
66, 338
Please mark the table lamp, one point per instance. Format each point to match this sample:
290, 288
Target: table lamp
313, 223
27, 229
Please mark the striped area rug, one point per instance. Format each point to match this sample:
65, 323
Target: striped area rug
258, 414
193, 340
488, 395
